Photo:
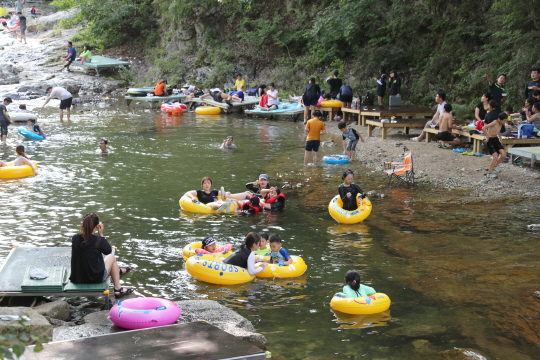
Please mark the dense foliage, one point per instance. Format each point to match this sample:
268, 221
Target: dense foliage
433, 44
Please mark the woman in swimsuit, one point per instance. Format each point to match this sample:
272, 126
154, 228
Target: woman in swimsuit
21, 159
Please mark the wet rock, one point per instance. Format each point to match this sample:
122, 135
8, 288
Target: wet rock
533, 227
57, 310
221, 317
418, 330
98, 318
32, 90
373, 193
51, 20
536, 294
328, 143
287, 187
462, 354
57, 323
421, 344
37, 322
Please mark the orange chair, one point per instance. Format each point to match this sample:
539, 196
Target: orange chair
403, 172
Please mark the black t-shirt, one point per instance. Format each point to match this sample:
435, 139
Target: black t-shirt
87, 265
345, 90
335, 84
381, 88
255, 189
239, 257
483, 111
349, 203
395, 86
529, 92
22, 21
491, 116
207, 198
312, 92
497, 92
3, 119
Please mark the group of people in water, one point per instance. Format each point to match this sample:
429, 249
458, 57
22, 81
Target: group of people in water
259, 197
88, 266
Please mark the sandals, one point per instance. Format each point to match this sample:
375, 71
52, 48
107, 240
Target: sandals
127, 268
122, 293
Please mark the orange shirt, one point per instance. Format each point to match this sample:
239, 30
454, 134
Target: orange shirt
159, 89
314, 126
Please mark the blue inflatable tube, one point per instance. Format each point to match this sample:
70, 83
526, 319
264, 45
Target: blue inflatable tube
336, 159
29, 134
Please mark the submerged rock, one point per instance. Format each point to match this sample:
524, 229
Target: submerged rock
462, 354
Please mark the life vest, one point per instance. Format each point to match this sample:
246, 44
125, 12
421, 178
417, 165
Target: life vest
248, 205
267, 199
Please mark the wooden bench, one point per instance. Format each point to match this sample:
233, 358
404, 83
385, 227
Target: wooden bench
352, 111
478, 139
386, 127
387, 112
532, 153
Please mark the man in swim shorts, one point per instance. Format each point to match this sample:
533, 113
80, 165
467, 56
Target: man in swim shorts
314, 128
65, 98
445, 137
492, 131
22, 28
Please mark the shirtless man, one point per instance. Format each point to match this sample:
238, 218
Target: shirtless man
445, 137
217, 95
492, 131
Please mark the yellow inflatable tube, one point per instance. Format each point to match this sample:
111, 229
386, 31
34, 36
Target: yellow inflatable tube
189, 251
212, 269
198, 207
372, 304
15, 172
331, 104
208, 110
296, 268
335, 208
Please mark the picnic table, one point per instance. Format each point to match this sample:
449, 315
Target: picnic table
386, 127
388, 111
99, 62
532, 153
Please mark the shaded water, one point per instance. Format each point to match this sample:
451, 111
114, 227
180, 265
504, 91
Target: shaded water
459, 275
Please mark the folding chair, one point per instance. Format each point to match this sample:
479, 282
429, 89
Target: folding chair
402, 172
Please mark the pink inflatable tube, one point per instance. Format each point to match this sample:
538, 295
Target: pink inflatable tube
142, 313
11, 27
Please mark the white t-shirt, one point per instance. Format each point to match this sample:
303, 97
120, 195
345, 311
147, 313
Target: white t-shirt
272, 101
440, 108
60, 93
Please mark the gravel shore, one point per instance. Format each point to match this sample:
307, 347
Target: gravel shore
443, 167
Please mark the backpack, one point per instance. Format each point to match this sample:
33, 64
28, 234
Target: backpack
369, 99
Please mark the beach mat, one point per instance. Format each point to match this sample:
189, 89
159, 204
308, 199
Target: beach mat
54, 283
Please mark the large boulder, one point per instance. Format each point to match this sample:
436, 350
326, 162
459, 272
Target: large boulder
222, 317
37, 323
56, 309
93, 324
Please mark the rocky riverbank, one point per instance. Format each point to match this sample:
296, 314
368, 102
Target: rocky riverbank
442, 167
55, 319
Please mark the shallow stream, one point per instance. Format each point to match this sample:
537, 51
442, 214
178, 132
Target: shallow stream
459, 274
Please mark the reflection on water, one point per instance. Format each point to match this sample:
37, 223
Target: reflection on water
459, 274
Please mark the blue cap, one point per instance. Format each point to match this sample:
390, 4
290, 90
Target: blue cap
336, 72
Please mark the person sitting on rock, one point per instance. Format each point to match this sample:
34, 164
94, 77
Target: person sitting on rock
87, 263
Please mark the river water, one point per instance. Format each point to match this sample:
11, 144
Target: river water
460, 274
